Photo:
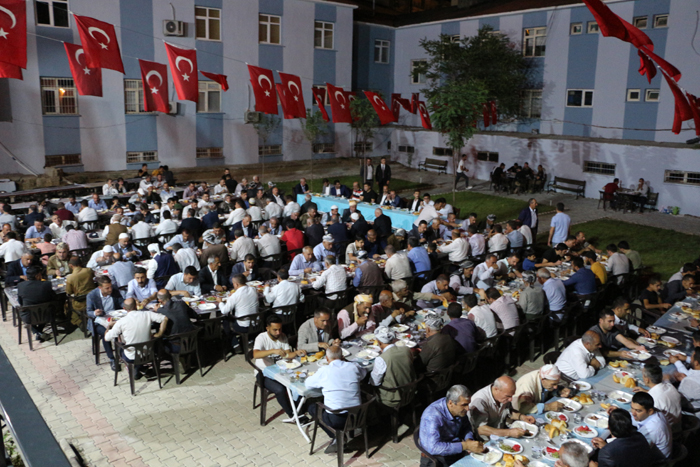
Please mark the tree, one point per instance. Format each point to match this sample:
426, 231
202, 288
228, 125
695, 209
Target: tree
314, 126
364, 122
265, 127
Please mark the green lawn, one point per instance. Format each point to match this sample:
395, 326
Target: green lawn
663, 250
483, 205
316, 184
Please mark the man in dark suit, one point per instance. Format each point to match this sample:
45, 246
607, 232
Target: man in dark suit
313, 232
630, 449
415, 204
340, 235
209, 219
101, 300
359, 225
422, 233
369, 195
307, 205
383, 173
179, 316
300, 188
368, 171
17, 270
34, 291
382, 224
340, 190
350, 211
192, 224
529, 216
211, 277
246, 225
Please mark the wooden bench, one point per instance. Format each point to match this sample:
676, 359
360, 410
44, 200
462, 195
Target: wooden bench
437, 164
568, 184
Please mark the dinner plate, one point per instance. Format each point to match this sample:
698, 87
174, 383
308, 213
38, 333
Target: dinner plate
646, 341
400, 328
368, 337
571, 405
491, 457
656, 330
189, 299
254, 283
207, 306
510, 446
620, 397
670, 352
346, 353
538, 464
406, 343
526, 426
557, 415
367, 354
581, 385
641, 355
288, 365
551, 453
585, 431
597, 420
670, 340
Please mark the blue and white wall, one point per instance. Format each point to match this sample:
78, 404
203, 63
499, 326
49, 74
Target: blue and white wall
103, 133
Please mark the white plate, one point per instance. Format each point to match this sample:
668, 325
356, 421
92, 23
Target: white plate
656, 330
582, 385
405, 343
538, 464
556, 415
189, 299
207, 306
591, 434
570, 406
615, 395
289, 365
526, 426
641, 355
586, 446
512, 444
367, 354
647, 342
346, 353
601, 420
548, 454
670, 352
670, 340
491, 457
254, 283
400, 328
368, 337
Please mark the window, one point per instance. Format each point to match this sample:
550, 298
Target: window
593, 27
269, 29
660, 21
326, 99
641, 22
442, 151
58, 96
323, 35
599, 168
321, 148
652, 95
579, 98
209, 97
52, 13
208, 23
141, 156
487, 156
633, 95
416, 77
65, 159
679, 176
534, 42
364, 147
407, 149
381, 51
575, 29
454, 38
270, 150
210, 153
133, 96
531, 103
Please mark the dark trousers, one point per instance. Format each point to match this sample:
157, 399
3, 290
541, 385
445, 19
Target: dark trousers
279, 391
231, 328
335, 420
137, 368
25, 317
446, 460
460, 176
100, 331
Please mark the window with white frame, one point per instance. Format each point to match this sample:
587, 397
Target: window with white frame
634, 95
141, 156
579, 98
326, 99
63, 159
455, 38
52, 13
270, 29
416, 76
640, 22
210, 153
534, 40
364, 147
207, 23
321, 148
602, 168
531, 103
593, 27
133, 96
270, 150
576, 29
660, 21
58, 96
442, 151
407, 149
323, 35
486, 156
681, 176
381, 51
652, 95
209, 97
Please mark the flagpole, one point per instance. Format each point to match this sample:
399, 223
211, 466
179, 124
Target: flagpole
21, 164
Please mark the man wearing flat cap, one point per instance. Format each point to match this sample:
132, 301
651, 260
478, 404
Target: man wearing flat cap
397, 240
461, 281
393, 368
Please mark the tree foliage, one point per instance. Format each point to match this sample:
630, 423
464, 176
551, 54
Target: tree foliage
314, 126
364, 121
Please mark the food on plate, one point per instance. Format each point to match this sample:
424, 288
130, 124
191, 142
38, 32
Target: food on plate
555, 428
552, 452
629, 382
304, 282
670, 345
619, 364
304, 359
583, 398
687, 309
509, 449
509, 460
664, 362
310, 358
605, 406
320, 354
583, 429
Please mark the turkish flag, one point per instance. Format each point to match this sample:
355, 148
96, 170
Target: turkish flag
292, 91
154, 77
100, 43
646, 66
264, 89
88, 81
183, 67
8, 70
383, 111
682, 110
494, 113
424, 116
669, 69
13, 32
395, 106
288, 109
695, 109
221, 79
611, 24
485, 113
340, 106
414, 102
319, 96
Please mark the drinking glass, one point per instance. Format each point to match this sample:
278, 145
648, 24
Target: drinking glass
536, 452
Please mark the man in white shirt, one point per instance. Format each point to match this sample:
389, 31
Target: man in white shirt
108, 189
140, 229
667, 399
651, 423
482, 315
285, 293
86, 214
167, 193
477, 242
398, 266
205, 202
458, 250
484, 273
145, 183
268, 244
292, 206
526, 232
254, 211
167, 225
385, 199
415, 204
690, 380
272, 209
185, 256
243, 302
141, 288
462, 172
582, 358
428, 213
443, 208
618, 263
498, 241
241, 247
221, 187
12, 249
333, 278
184, 283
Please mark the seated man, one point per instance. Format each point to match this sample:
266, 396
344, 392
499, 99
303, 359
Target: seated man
354, 319
36, 232
611, 340
677, 290
652, 424
315, 333
458, 250
242, 246
445, 431
650, 298
323, 249
339, 381
392, 369
491, 407
621, 307
583, 281
353, 248
420, 260
461, 280
532, 298
554, 290
285, 293
35, 291
186, 239
484, 272
667, 399
274, 342
397, 265
212, 278
79, 282
333, 278
142, 289
185, 283
103, 257
483, 317
630, 448
101, 300
405, 295
690, 379
582, 358
368, 273
441, 287
389, 310
438, 351
462, 330
243, 302
248, 268
304, 263
504, 308
179, 315
534, 389
58, 263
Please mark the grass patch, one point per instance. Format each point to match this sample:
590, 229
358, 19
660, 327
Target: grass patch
658, 247
504, 208
396, 184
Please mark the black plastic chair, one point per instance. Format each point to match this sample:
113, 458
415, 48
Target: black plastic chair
212, 331
288, 315
95, 343
144, 354
88, 226
188, 346
41, 314
256, 325
407, 394
82, 253
416, 441
265, 395
272, 261
70, 301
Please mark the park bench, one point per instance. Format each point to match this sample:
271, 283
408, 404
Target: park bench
437, 164
568, 184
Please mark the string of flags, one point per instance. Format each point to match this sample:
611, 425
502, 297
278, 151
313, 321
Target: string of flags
99, 49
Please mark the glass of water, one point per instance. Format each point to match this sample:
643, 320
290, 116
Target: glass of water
536, 452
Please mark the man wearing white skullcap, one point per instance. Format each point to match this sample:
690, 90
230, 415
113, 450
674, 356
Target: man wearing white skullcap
354, 319
393, 368
533, 390
103, 257
323, 249
124, 250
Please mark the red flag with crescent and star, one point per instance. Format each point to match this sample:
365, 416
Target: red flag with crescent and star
264, 89
183, 67
155, 86
8, 70
494, 113
319, 97
99, 43
288, 108
88, 81
424, 116
383, 111
292, 92
340, 105
221, 79
414, 102
485, 114
13, 32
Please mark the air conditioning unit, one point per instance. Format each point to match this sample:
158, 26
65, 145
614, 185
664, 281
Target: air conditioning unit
173, 108
173, 27
253, 117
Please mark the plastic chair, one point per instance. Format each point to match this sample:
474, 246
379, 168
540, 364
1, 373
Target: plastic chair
256, 325
212, 330
188, 346
689, 425
264, 393
41, 314
82, 253
416, 441
407, 394
71, 299
288, 314
144, 354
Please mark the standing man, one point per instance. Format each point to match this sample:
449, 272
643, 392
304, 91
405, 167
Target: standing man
529, 217
383, 174
367, 173
559, 227
462, 172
